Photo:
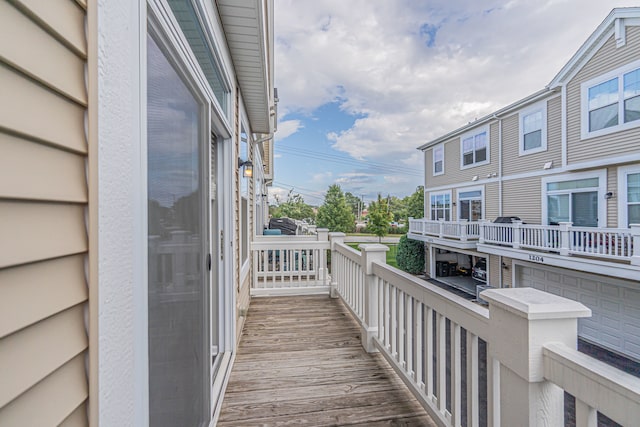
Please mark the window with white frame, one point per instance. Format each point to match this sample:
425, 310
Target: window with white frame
474, 148
244, 199
611, 102
470, 204
575, 198
533, 129
438, 160
440, 206
629, 196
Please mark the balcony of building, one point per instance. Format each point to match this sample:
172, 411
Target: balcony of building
611, 251
371, 334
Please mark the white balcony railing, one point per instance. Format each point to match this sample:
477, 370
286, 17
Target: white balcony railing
608, 243
565, 239
511, 361
459, 230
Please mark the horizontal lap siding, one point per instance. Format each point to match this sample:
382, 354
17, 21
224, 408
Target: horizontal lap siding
514, 163
491, 200
43, 205
615, 144
612, 204
522, 199
453, 174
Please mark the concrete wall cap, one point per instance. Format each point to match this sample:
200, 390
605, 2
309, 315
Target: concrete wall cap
373, 247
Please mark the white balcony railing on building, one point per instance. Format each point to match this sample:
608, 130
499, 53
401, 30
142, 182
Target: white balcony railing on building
609, 243
505, 365
459, 230
564, 239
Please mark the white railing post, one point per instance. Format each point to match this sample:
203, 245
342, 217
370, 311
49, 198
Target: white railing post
635, 236
322, 235
483, 223
441, 227
521, 321
463, 229
334, 238
370, 253
564, 237
515, 238
411, 229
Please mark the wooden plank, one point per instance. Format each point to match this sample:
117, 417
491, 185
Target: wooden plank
39, 55
33, 171
37, 231
300, 362
35, 291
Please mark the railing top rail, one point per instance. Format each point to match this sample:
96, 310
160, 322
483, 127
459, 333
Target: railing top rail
470, 316
285, 238
626, 231
611, 391
296, 244
348, 252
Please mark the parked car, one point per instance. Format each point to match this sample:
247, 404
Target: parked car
479, 270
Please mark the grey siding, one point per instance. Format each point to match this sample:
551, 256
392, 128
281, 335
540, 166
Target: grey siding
606, 59
43, 205
491, 199
521, 198
612, 204
513, 162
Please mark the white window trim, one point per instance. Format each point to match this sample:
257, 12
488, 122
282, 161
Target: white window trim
602, 189
540, 106
473, 133
439, 193
433, 159
622, 193
584, 102
464, 189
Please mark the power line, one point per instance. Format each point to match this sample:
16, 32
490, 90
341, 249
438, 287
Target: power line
348, 160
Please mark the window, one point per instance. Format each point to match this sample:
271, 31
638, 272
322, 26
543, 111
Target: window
244, 199
440, 204
611, 102
533, 129
475, 150
438, 160
575, 198
470, 204
629, 195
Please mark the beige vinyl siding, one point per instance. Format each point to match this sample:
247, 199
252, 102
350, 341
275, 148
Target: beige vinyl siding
453, 174
522, 198
491, 201
606, 59
513, 162
507, 279
493, 263
43, 206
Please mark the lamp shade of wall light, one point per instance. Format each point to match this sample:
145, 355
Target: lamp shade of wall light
247, 166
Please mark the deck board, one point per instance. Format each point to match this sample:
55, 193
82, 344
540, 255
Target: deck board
300, 362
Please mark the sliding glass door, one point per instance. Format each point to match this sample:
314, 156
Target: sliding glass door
178, 247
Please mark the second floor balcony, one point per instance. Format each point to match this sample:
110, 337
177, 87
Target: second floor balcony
593, 248
511, 363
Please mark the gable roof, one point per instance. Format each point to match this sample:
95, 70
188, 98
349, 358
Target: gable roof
614, 23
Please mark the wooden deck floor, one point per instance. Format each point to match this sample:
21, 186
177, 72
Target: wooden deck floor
300, 362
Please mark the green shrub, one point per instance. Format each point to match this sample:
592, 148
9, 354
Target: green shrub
410, 255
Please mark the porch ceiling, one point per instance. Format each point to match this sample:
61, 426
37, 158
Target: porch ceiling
245, 27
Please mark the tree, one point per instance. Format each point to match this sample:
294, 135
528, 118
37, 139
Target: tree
415, 203
294, 208
379, 218
410, 255
353, 202
335, 214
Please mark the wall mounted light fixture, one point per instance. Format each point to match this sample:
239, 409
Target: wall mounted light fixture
608, 195
247, 172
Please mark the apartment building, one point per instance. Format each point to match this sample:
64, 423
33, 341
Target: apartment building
545, 192
135, 142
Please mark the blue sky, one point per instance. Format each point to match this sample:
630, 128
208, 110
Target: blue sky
362, 83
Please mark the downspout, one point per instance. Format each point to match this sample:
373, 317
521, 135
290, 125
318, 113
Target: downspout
500, 280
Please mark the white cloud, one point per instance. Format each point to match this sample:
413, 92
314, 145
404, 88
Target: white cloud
414, 71
288, 128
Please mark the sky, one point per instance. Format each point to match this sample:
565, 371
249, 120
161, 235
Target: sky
363, 83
